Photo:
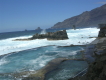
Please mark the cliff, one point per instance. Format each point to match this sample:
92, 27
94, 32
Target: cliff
86, 19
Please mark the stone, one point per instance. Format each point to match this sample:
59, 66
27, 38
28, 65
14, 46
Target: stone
38, 28
102, 32
59, 35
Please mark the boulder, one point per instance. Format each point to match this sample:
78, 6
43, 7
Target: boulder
102, 32
59, 35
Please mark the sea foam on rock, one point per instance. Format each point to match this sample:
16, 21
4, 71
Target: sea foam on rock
96, 51
59, 35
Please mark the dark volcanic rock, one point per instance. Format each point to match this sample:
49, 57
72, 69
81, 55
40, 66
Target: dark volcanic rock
38, 28
96, 70
59, 35
86, 19
102, 32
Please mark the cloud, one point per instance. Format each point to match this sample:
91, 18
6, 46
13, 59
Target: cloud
102, 2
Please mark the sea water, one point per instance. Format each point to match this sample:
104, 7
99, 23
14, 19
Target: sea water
35, 54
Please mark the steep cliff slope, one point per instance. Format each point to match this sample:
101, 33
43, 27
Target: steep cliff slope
86, 19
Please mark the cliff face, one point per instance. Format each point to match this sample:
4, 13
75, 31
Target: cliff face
86, 19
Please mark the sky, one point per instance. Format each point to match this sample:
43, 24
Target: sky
18, 15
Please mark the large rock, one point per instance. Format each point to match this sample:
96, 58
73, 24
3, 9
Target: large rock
102, 32
59, 35
38, 28
96, 70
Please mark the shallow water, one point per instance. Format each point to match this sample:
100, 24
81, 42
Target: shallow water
35, 54
66, 70
34, 59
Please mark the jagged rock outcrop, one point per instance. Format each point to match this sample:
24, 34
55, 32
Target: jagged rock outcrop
59, 35
97, 68
38, 28
102, 32
86, 19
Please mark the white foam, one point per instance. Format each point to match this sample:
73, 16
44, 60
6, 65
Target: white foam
3, 61
75, 37
40, 61
43, 31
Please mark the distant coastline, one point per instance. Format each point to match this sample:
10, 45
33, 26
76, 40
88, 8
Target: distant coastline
86, 19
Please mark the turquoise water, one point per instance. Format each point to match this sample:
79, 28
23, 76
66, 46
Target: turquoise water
66, 70
34, 59
35, 54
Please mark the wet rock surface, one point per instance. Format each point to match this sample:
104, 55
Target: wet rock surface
52, 65
59, 35
102, 32
96, 70
96, 55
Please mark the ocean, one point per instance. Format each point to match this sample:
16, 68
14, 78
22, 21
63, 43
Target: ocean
20, 56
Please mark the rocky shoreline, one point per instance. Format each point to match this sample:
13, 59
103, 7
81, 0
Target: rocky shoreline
40, 74
96, 56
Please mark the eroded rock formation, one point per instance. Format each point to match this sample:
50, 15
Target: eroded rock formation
59, 35
102, 32
96, 53
96, 70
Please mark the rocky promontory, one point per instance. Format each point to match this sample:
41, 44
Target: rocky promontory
96, 56
59, 35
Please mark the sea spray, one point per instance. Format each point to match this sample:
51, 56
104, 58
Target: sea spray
76, 37
43, 31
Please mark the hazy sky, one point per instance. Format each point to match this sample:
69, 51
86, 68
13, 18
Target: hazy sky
16, 15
